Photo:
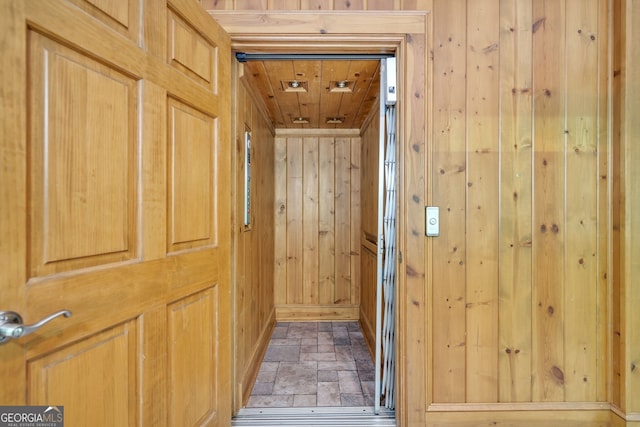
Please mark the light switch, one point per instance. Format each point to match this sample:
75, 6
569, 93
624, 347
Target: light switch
432, 221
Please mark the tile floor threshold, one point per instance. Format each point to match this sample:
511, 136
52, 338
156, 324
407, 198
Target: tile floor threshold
314, 417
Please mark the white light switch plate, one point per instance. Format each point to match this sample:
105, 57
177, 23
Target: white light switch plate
432, 221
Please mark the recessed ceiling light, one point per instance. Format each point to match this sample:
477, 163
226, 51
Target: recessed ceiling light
300, 120
335, 120
341, 86
294, 85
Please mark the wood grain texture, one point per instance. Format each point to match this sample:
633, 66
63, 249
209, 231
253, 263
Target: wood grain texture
120, 16
256, 262
547, 194
549, 238
449, 192
616, 370
581, 270
295, 225
515, 202
190, 370
103, 101
342, 295
482, 202
317, 98
70, 376
310, 203
322, 218
630, 296
78, 218
190, 163
280, 227
513, 98
327, 222
13, 191
368, 232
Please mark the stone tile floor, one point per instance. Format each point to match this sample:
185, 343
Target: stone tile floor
317, 364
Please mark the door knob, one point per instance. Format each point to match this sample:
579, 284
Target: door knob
11, 325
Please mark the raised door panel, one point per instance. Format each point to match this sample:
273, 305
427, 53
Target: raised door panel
190, 52
121, 16
191, 177
94, 379
193, 359
82, 161
88, 155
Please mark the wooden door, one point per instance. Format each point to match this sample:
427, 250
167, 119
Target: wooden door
115, 142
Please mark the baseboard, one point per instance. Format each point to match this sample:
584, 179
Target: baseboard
530, 414
308, 313
518, 418
252, 369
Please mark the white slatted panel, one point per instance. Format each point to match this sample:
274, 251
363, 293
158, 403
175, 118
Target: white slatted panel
387, 203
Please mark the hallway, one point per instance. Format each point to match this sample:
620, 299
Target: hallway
315, 364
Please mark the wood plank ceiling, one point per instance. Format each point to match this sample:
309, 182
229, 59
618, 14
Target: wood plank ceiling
316, 94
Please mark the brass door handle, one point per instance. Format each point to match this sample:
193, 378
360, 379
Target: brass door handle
11, 325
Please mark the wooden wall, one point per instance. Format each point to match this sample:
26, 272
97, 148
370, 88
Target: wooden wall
520, 173
254, 245
626, 208
369, 170
531, 296
317, 224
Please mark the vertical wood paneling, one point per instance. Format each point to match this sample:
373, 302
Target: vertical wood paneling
280, 227
326, 244
257, 264
310, 220
322, 231
581, 268
449, 192
412, 290
316, 4
283, 4
549, 199
294, 221
356, 227
630, 294
520, 263
515, 202
603, 378
369, 225
519, 143
342, 293
617, 196
349, 4
482, 201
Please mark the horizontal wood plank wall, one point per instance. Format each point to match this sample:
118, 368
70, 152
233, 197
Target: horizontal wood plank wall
368, 236
254, 245
317, 266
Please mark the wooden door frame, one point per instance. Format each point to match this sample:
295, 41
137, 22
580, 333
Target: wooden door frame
405, 34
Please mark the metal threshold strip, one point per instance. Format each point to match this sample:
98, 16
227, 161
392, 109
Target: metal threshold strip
314, 417
244, 57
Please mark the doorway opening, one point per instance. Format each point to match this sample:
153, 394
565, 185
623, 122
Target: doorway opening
323, 315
